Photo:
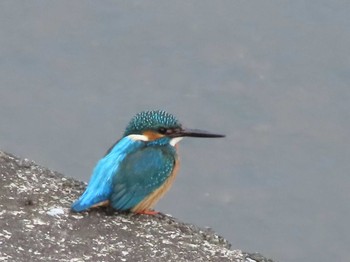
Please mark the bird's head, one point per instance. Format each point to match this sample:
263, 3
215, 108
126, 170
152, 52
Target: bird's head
156, 124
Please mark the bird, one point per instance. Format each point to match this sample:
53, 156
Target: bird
138, 169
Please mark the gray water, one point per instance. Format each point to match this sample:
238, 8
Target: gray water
271, 75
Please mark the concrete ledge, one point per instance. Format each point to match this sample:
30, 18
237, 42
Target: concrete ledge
36, 225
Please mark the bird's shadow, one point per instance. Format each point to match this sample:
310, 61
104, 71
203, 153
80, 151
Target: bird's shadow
110, 211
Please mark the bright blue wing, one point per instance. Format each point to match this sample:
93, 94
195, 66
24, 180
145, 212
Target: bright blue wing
100, 187
139, 174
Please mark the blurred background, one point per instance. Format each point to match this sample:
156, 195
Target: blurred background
273, 76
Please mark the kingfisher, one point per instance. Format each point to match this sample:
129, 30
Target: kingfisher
140, 167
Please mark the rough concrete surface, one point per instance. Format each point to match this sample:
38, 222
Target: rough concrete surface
36, 224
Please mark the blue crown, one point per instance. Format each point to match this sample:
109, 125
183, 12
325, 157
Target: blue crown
151, 120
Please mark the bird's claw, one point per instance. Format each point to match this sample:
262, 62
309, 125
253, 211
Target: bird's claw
148, 212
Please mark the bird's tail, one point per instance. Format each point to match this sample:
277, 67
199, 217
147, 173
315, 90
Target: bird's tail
79, 206
88, 200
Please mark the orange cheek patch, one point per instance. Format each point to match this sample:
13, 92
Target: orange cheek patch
152, 135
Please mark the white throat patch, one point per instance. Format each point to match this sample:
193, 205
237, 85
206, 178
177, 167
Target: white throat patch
172, 142
138, 137
175, 140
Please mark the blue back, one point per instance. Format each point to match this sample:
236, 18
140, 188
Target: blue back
99, 188
129, 172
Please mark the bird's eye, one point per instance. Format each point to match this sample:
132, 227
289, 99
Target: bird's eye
162, 130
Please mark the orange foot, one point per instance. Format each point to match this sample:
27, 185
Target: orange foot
148, 212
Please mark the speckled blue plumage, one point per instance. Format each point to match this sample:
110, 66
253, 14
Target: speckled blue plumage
142, 172
150, 120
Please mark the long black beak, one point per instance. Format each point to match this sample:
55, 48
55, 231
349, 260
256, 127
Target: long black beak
193, 133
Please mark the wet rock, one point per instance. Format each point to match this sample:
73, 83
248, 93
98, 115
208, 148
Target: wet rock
36, 224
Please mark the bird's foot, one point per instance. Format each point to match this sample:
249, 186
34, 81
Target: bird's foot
148, 212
